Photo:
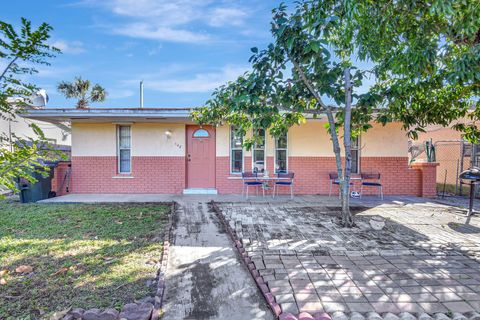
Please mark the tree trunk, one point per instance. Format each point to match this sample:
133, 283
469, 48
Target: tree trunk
336, 148
347, 219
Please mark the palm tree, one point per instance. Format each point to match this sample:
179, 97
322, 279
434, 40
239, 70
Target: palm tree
80, 89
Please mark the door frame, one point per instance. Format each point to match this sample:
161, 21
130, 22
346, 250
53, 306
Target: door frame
187, 136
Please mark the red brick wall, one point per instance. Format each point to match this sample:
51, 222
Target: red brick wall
398, 178
311, 175
150, 175
167, 175
225, 185
270, 165
429, 178
59, 183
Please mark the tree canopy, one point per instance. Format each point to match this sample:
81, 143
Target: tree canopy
304, 72
83, 91
425, 67
20, 51
426, 56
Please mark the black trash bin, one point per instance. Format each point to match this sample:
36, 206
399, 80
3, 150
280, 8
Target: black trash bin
473, 176
33, 192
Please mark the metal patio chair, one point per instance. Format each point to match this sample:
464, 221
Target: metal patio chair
371, 180
333, 176
286, 182
249, 179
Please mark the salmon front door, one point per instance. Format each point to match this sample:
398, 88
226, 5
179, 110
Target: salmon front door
200, 157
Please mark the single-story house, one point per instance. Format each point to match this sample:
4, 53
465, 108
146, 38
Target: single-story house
160, 150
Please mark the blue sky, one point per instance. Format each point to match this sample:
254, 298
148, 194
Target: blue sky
182, 49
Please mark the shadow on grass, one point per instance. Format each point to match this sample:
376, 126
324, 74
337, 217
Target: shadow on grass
108, 260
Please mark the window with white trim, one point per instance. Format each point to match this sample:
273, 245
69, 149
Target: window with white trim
236, 151
355, 151
258, 152
281, 154
124, 142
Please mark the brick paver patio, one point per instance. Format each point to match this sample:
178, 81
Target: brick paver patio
425, 260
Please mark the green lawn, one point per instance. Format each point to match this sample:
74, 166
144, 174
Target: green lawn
82, 255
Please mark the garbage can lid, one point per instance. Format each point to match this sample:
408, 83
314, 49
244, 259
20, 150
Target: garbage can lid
472, 174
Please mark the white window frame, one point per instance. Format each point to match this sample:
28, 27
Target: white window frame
254, 148
275, 154
232, 148
358, 155
119, 148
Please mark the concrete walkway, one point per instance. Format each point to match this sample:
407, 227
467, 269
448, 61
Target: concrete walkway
205, 279
369, 201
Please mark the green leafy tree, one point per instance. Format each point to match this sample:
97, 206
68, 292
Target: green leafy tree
304, 73
80, 89
427, 59
19, 52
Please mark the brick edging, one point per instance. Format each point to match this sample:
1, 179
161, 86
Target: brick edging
264, 289
161, 281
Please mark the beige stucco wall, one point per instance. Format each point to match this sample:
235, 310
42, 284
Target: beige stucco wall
94, 139
148, 139
312, 140
223, 142
307, 140
384, 141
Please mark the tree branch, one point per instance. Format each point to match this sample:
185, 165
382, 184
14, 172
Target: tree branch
307, 83
8, 67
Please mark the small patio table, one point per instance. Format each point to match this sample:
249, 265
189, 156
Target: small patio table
266, 179
262, 178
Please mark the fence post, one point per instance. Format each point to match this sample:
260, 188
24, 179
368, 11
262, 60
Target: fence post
462, 158
456, 176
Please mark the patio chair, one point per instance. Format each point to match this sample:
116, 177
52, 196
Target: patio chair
249, 179
371, 180
334, 181
287, 182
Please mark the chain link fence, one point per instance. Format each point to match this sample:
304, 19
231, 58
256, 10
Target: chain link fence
453, 157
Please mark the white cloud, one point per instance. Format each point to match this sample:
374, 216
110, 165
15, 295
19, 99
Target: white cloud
170, 12
144, 30
119, 93
200, 82
174, 21
155, 50
73, 47
220, 17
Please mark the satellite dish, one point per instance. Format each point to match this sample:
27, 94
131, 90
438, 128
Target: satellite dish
38, 100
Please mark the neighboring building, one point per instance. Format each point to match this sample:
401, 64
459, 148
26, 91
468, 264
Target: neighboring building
57, 134
452, 154
161, 151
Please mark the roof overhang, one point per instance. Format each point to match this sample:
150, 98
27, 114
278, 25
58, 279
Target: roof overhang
109, 115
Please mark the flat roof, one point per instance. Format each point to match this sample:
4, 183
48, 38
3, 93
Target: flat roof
56, 115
